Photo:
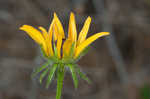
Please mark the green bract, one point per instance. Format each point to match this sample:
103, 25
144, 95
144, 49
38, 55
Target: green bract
55, 66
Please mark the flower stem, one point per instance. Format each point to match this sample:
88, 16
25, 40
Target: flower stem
60, 78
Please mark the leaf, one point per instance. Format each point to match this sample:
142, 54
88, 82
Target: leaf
51, 74
145, 92
39, 69
74, 76
43, 74
82, 75
60, 78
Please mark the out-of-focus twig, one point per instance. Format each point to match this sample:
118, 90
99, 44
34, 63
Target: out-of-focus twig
111, 42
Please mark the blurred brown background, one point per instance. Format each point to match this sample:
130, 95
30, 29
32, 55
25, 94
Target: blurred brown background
118, 65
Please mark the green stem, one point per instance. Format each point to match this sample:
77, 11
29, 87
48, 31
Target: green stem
60, 78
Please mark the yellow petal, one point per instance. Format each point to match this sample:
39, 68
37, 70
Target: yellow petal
66, 47
45, 46
72, 32
59, 43
33, 33
45, 34
50, 31
88, 41
59, 25
84, 31
55, 32
48, 49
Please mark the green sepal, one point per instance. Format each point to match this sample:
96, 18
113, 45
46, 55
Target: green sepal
43, 74
82, 75
69, 58
74, 76
51, 58
72, 49
39, 69
55, 50
42, 51
84, 52
60, 78
50, 75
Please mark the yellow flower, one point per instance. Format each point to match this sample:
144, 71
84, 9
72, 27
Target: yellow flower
55, 36
61, 52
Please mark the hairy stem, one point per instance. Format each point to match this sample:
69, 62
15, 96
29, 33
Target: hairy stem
60, 78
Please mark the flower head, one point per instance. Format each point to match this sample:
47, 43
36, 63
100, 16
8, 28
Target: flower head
61, 51
55, 36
